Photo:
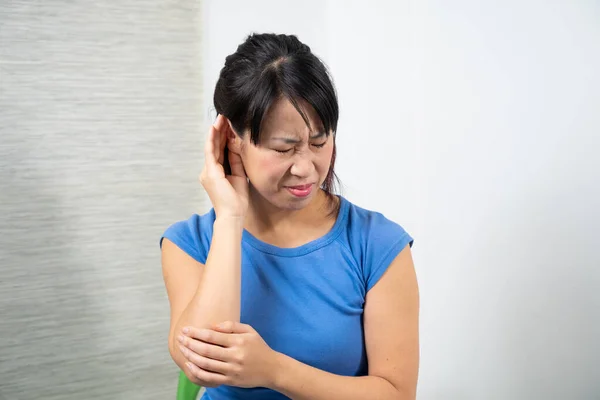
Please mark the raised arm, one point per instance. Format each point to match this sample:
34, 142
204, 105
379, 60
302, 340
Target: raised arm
202, 295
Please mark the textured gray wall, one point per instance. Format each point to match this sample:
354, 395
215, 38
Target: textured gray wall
100, 148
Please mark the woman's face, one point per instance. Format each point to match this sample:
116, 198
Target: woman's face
291, 161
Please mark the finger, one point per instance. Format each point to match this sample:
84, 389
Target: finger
206, 349
209, 378
220, 121
216, 142
205, 363
233, 327
209, 156
211, 166
210, 336
220, 139
223, 143
237, 167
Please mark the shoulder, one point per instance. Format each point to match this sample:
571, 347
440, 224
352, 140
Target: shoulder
192, 235
374, 240
366, 226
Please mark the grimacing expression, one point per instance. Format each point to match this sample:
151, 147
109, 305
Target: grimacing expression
289, 154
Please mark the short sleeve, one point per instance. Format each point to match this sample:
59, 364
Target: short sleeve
385, 240
193, 235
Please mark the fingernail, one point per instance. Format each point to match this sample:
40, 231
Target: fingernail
180, 338
189, 365
182, 349
186, 329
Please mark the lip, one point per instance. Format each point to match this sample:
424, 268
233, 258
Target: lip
300, 191
300, 187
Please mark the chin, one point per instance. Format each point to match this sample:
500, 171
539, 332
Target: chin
297, 205
292, 204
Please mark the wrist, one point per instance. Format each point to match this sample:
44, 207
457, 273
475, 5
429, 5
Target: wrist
278, 371
229, 223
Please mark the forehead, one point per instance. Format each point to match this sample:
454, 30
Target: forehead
284, 118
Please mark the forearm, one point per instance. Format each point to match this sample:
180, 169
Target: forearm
303, 382
217, 298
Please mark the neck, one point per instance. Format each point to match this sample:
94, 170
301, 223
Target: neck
265, 217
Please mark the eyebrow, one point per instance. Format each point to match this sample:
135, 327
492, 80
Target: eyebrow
294, 141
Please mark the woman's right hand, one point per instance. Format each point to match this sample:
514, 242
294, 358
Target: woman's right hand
228, 194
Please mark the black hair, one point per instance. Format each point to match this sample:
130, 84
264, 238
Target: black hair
267, 67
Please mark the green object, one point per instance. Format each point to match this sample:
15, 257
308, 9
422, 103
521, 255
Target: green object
186, 389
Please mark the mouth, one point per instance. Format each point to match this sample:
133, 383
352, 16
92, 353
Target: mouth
300, 187
300, 190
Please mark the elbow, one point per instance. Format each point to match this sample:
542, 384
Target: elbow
180, 360
175, 353
172, 350
172, 346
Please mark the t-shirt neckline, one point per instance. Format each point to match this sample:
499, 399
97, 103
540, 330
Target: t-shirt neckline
306, 248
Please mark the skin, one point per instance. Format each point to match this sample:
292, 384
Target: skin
289, 153
231, 353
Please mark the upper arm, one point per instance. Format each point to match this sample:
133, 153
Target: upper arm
182, 275
391, 323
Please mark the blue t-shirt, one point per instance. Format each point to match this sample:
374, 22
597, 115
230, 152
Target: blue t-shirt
306, 302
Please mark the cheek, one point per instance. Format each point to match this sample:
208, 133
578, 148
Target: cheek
324, 160
271, 168
257, 163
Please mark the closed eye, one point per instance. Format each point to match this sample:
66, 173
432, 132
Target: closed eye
320, 145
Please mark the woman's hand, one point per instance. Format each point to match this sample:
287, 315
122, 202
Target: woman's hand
228, 194
231, 354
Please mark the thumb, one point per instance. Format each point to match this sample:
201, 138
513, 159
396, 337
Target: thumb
232, 327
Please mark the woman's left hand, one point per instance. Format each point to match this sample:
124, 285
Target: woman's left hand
231, 354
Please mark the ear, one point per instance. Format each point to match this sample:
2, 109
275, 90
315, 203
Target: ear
234, 141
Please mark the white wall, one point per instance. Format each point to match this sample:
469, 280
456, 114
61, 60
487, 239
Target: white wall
506, 105
473, 124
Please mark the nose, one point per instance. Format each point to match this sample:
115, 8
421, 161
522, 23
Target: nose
303, 165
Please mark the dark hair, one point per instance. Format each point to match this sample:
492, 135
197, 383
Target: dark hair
267, 67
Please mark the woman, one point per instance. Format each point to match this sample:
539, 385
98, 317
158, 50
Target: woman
285, 290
